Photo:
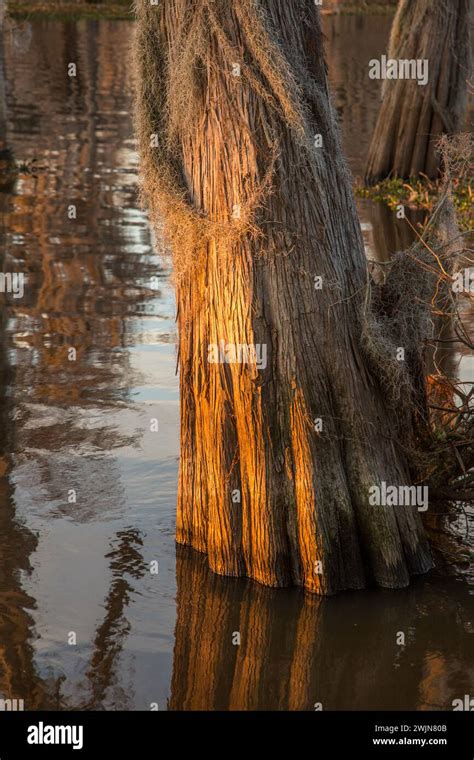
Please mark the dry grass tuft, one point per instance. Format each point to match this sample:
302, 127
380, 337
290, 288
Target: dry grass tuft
170, 84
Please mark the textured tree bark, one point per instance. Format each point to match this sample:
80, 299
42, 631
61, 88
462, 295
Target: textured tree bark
246, 142
412, 116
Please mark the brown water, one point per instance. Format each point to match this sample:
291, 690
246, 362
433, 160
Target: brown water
95, 284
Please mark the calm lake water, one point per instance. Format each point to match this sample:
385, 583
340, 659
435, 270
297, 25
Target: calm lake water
81, 430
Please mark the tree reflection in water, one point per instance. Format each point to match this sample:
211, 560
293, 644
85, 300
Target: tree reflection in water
298, 650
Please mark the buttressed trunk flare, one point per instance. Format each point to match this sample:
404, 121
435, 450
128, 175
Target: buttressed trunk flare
241, 159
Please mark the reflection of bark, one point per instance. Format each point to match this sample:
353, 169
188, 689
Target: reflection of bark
297, 650
280, 676
69, 301
79, 272
5, 153
208, 613
3, 102
81, 287
18, 676
79, 290
125, 559
69, 292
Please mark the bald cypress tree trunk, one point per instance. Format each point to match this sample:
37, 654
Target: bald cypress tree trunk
230, 99
413, 116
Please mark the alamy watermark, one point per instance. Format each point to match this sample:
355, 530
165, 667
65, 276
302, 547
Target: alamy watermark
12, 705
467, 703
238, 353
46, 734
12, 282
408, 68
386, 495
463, 281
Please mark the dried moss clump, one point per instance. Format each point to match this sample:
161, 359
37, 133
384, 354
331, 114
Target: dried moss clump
409, 310
170, 82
